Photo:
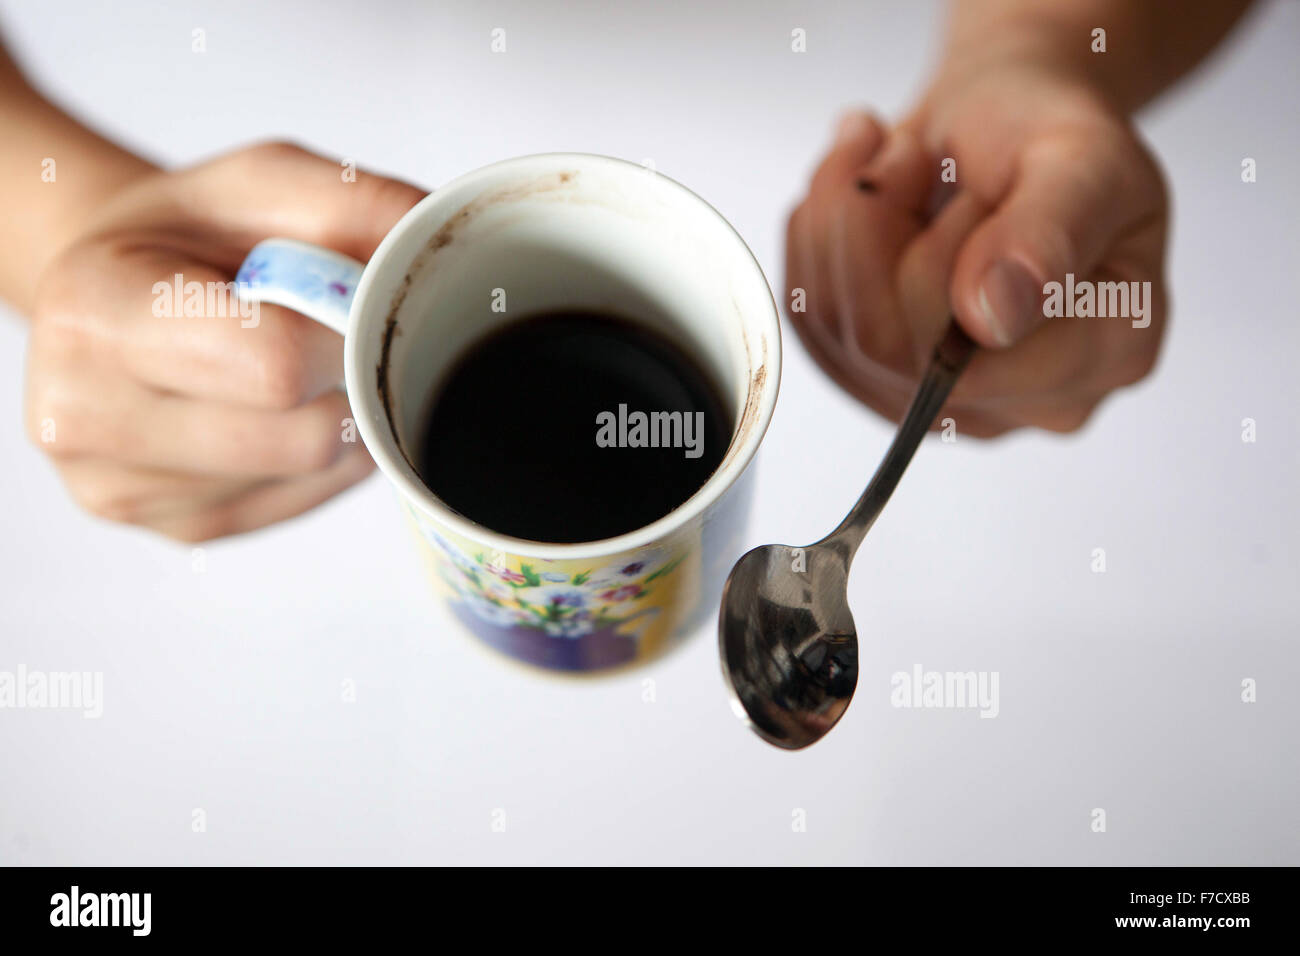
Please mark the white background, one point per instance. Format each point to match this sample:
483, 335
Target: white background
1118, 690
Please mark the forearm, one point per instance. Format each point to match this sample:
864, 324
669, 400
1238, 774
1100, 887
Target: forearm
53, 172
1150, 44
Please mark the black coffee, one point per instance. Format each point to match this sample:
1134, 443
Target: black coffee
572, 426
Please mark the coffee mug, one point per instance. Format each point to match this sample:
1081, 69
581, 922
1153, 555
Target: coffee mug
547, 232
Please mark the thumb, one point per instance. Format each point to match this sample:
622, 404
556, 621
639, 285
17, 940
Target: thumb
1061, 215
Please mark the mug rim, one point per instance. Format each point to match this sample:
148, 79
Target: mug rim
394, 466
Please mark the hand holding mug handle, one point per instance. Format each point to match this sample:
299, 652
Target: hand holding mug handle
312, 280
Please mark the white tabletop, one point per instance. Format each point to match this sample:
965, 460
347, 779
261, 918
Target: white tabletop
1120, 691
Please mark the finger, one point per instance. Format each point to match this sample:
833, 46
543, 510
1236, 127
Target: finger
269, 502
808, 282
857, 237
130, 494
1063, 211
1068, 355
1053, 358
866, 238
176, 324
858, 135
818, 325
102, 415
884, 397
890, 400
900, 172
925, 268
280, 189
220, 209
1055, 413
959, 420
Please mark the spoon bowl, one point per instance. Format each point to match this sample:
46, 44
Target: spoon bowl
789, 647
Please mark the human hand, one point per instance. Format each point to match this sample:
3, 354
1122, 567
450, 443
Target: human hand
200, 426
1050, 179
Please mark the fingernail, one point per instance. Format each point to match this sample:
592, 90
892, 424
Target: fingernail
1010, 298
852, 125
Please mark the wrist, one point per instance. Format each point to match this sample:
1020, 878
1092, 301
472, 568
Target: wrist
1020, 75
79, 173
78, 208
1041, 48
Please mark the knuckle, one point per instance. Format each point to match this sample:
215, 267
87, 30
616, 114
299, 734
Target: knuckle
1080, 366
1047, 247
321, 441
980, 429
388, 197
200, 527
194, 531
106, 505
1065, 421
974, 426
877, 345
275, 150
282, 377
1139, 174
253, 160
96, 493
1138, 366
61, 324
51, 418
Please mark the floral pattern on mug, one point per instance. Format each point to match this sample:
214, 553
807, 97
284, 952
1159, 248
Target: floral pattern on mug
540, 596
305, 273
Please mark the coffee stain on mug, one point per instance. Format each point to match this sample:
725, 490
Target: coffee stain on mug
754, 393
753, 398
444, 237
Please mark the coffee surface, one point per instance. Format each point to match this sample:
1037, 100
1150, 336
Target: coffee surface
572, 426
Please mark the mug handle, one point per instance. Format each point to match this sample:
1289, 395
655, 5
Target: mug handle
315, 281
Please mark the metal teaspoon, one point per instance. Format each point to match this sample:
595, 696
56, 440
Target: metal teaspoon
786, 635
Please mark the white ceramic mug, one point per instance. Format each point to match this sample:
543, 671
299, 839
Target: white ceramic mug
554, 231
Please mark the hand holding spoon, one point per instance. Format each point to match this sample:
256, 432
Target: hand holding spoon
789, 647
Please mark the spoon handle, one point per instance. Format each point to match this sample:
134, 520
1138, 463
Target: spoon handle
950, 357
